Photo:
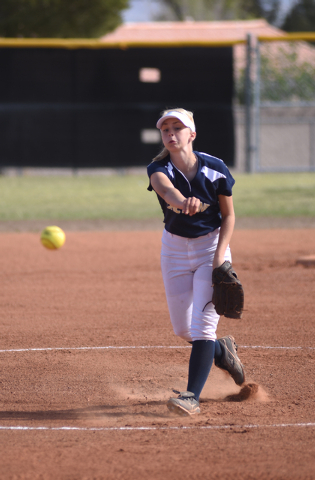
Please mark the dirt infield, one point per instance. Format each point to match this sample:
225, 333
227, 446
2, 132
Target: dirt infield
88, 360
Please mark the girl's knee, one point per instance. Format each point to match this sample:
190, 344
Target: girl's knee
184, 334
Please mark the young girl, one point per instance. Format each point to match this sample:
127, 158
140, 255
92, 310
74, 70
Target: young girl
195, 193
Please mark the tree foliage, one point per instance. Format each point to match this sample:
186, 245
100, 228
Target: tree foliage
59, 18
223, 9
301, 17
290, 81
284, 77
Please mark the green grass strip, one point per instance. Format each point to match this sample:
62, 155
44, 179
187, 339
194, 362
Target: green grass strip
275, 195
126, 197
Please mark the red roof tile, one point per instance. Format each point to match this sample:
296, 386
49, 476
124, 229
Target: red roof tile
191, 31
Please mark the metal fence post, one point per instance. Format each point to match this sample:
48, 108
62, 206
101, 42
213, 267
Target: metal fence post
248, 103
312, 145
256, 146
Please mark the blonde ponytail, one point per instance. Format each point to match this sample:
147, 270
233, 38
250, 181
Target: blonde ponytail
161, 155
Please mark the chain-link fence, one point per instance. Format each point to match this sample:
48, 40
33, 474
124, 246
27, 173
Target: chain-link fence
275, 106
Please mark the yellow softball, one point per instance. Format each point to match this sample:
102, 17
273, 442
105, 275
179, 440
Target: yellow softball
52, 237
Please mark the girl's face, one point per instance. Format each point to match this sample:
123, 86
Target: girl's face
175, 135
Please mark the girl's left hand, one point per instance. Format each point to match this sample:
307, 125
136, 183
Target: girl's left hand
217, 262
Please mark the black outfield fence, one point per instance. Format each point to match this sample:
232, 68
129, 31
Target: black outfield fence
85, 108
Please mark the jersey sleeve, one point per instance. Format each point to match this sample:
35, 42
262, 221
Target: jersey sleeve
216, 171
226, 183
153, 168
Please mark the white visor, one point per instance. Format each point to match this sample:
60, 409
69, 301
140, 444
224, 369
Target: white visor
180, 116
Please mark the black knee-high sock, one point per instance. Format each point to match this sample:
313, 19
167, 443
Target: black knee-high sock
201, 358
218, 350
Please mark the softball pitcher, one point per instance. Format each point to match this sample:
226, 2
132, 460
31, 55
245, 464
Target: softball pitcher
195, 193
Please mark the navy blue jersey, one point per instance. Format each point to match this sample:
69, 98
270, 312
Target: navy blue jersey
213, 178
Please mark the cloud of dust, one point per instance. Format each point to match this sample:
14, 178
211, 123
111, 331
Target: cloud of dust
219, 387
222, 387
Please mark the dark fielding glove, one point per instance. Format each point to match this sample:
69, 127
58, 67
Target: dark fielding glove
228, 293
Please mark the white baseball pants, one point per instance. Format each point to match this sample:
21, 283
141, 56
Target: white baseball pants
187, 274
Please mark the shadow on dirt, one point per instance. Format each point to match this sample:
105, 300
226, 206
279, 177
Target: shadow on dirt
97, 412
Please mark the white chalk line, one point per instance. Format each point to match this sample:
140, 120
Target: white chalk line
178, 428
132, 347
113, 347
